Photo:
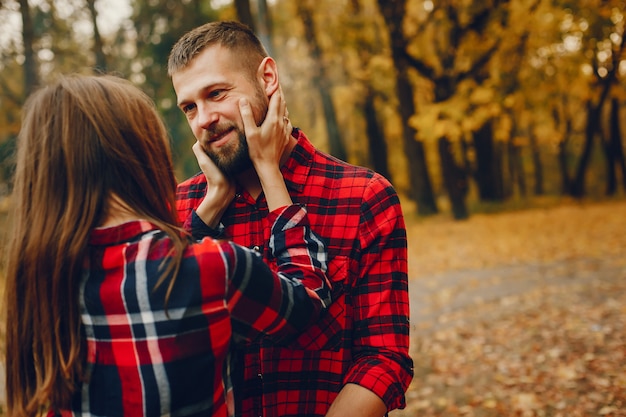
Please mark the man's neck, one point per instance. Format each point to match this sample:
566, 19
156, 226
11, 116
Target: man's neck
249, 179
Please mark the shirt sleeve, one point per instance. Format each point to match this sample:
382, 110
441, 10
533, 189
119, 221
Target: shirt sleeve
381, 306
200, 230
282, 303
189, 194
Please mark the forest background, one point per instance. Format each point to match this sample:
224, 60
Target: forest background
468, 107
463, 105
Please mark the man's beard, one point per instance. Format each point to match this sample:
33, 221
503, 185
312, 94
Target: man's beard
232, 158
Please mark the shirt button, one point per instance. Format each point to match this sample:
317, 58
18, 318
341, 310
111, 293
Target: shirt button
256, 249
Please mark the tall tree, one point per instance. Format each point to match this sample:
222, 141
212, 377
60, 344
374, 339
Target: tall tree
244, 13
467, 36
321, 81
31, 79
421, 192
604, 75
614, 150
506, 69
98, 46
264, 26
359, 26
563, 122
154, 28
454, 47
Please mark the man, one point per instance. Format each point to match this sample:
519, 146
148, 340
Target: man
354, 361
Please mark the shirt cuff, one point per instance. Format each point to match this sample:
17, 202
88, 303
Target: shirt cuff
376, 376
200, 230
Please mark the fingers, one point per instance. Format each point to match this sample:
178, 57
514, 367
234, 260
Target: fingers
208, 167
199, 153
277, 105
246, 115
288, 127
284, 109
285, 112
278, 109
277, 113
267, 142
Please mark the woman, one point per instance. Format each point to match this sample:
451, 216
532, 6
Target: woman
111, 310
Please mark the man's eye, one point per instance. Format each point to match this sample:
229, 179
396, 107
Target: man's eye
187, 108
215, 93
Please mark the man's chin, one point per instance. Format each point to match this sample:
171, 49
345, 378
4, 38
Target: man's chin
235, 169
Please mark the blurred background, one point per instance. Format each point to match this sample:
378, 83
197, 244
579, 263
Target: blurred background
459, 103
473, 109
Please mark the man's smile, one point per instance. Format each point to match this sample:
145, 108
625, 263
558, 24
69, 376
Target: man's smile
221, 137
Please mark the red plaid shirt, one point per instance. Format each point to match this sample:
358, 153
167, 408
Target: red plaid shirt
363, 337
148, 359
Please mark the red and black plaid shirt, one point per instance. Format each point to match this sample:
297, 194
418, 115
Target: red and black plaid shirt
363, 337
145, 358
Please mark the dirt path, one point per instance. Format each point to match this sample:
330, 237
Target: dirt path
520, 314
452, 299
552, 343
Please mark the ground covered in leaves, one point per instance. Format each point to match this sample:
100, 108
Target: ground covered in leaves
520, 314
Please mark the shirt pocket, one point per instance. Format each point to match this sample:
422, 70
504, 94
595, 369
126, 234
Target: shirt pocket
330, 331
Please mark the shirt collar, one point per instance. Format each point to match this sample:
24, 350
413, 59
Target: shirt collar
297, 168
124, 232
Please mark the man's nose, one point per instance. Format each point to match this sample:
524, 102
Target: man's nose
206, 116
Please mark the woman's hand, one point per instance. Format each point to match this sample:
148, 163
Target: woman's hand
267, 144
220, 190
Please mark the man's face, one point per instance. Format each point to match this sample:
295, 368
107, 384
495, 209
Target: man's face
208, 92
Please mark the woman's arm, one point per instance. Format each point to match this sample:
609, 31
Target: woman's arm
267, 145
278, 303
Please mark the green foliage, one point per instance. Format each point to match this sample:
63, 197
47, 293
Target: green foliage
528, 66
152, 30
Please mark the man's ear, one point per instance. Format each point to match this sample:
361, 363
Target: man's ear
268, 75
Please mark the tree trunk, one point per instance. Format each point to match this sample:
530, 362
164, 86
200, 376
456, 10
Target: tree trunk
454, 178
593, 121
566, 132
517, 176
374, 132
615, 152
489, 175
31, 80
497, 166
244, 13
320, 80
516, 169
578, 183
375, 138
101, 64
611, 176
421, 187
537, 166
264, 26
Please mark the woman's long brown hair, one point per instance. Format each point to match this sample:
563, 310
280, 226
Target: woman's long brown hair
83, 139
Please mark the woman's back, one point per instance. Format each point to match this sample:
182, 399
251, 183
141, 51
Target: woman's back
136, 346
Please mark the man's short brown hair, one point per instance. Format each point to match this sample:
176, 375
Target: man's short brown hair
235, 36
